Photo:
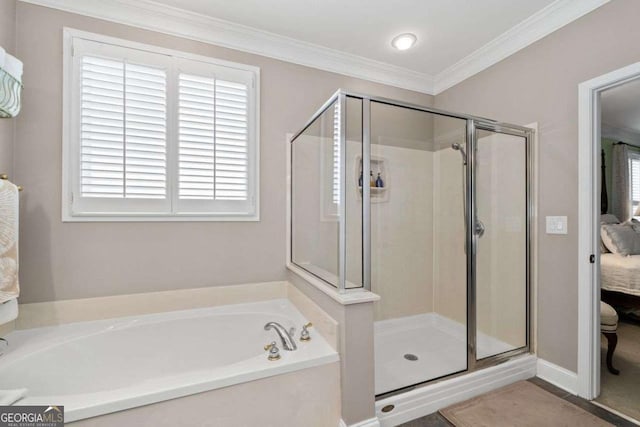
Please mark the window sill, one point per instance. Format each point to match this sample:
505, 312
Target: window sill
160, 218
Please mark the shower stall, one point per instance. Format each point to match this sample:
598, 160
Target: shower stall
429, 209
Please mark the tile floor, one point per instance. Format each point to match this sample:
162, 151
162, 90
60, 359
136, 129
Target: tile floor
437, 420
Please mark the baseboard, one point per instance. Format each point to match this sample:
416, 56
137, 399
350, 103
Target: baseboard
428, 399
558, 376
371, 422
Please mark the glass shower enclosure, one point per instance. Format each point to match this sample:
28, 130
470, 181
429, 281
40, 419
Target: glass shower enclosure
429, 209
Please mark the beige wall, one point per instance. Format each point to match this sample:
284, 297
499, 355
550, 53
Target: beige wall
8, 43
77, 260
540, 84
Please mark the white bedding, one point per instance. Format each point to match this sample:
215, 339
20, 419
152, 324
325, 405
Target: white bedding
620, 273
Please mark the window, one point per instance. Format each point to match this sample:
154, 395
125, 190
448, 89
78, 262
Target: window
634, 178
336, 155
152, 133
330, 167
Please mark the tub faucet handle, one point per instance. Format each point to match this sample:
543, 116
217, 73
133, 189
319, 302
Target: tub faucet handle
274, 351
304, 335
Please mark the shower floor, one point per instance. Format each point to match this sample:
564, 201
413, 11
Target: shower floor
414, 349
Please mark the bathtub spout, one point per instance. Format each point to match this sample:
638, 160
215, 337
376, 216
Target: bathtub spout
288, 343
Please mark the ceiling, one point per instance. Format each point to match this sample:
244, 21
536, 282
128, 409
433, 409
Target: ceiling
456, 38
620, 107
447, 30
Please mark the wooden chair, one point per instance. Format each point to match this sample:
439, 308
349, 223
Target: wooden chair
609, 327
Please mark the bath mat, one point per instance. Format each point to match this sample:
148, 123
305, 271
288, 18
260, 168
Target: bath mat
522, 404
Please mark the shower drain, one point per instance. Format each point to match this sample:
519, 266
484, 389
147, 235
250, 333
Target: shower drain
411, 357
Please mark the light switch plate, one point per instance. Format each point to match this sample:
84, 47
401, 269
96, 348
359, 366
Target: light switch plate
556, 225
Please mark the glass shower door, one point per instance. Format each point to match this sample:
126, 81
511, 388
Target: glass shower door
501, 240
418, 262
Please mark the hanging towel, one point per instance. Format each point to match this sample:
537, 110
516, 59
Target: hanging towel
3, 54
13, 66
9, 202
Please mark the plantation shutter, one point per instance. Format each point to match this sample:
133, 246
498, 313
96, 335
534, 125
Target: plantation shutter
336, 154
122, 104
213, 138
157, 134
213, 144
123, 130
634, 177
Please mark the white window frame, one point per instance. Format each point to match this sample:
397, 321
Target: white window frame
71, 142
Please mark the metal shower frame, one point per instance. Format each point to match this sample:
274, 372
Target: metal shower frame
473, 124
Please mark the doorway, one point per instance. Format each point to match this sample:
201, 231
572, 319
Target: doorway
607, 208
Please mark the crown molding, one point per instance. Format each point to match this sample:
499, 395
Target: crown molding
150, 15
161, 18
542, 23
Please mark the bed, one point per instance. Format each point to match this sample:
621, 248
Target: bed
620, 279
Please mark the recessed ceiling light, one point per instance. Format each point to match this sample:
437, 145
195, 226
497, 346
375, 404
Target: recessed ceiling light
404, 41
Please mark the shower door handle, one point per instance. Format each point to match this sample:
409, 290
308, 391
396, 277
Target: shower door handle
479, 228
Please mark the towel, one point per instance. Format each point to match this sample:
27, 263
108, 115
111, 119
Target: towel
13, 66
9, 203
8, 311
3, 54
9, 397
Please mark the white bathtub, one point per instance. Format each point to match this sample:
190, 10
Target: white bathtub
99, 367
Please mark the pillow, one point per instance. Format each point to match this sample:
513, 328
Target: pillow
620, 239
633, 223
607, 219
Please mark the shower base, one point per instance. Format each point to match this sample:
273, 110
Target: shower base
414, 349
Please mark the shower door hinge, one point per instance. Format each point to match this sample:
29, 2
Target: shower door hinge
592, 258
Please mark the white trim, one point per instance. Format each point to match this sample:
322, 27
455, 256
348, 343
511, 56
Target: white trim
534, 152
588, 224
371, 422
558, 376
68, 138
178, 22
428, 399
539, 25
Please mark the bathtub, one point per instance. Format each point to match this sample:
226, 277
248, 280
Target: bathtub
99, 367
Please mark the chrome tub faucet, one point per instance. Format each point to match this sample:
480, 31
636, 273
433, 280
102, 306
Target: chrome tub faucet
288, 343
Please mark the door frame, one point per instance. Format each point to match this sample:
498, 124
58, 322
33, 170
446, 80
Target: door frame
589, 146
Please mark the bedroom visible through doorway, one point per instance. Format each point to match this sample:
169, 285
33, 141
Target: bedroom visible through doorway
619, 230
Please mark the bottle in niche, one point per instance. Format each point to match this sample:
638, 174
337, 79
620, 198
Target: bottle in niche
379, 181
372, 182
360, 180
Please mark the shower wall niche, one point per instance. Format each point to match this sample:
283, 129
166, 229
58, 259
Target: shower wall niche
442, 237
